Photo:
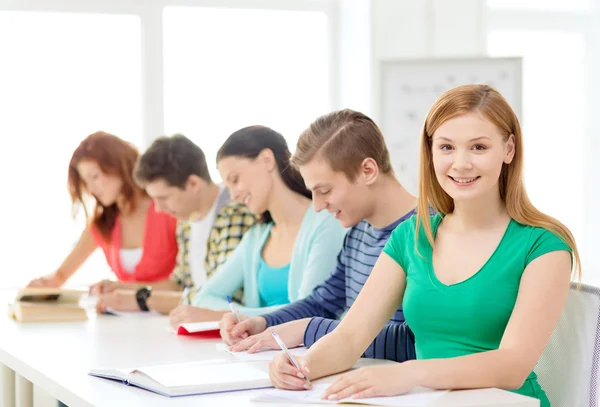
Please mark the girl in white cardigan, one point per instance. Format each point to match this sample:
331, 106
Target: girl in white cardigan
287, 254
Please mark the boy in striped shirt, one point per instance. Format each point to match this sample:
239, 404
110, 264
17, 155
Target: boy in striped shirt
345, 162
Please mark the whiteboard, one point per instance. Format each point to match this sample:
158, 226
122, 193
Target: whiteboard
408, 89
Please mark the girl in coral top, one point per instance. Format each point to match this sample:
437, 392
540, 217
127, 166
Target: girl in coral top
138, 242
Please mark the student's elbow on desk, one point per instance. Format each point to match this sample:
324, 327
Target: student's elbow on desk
510, 379
513, 373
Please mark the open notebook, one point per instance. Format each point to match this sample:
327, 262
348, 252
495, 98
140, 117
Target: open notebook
418, 397
264, 356
49, 295
188, 378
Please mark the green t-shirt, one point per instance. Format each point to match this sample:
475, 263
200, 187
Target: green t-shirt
470, 316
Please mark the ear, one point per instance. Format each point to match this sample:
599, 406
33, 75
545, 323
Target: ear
194, 183
509, 149
267, 158
369, 170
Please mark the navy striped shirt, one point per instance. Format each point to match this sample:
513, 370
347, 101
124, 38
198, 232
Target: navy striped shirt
362, 246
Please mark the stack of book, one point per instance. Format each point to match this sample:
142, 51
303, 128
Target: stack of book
47, 305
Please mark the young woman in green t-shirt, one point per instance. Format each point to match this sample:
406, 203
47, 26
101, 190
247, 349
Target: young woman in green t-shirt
487, 282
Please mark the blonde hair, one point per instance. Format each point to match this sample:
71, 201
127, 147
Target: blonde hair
344, 138
488, 102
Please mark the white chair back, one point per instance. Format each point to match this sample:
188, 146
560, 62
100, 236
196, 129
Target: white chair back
568, 368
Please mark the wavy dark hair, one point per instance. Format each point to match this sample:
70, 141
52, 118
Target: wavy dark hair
250, 141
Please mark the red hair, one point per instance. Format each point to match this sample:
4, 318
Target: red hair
114, 156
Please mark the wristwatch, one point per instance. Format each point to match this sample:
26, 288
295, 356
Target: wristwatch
142, 296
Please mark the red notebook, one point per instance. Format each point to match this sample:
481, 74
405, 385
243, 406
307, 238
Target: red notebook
206, 330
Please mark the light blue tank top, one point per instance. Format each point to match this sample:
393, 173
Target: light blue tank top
272, 284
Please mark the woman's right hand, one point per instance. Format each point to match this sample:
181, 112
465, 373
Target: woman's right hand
49, 281
103, 287
284, 375
233, 332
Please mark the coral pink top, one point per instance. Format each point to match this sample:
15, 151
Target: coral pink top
159, 248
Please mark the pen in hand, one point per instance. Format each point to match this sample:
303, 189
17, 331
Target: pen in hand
233, 310
290, 357
184, 296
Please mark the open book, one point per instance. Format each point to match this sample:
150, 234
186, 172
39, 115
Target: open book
37, 304
49, 295
418, 397
188, 378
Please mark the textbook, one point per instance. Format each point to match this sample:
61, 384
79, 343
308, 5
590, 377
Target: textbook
47, 305
41, 312
206, 330
192, 378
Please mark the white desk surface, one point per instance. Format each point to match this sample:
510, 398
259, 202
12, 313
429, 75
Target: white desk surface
57, 358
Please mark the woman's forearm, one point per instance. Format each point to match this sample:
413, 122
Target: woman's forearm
500, 368
333, 353
164, 301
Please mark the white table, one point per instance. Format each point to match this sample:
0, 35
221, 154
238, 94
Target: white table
57, 358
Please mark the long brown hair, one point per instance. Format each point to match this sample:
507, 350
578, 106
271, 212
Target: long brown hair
488, 102
114, 156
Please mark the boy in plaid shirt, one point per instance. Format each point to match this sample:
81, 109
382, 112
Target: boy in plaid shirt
173, 171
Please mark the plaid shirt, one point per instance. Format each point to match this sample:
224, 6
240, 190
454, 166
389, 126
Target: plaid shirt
231, 222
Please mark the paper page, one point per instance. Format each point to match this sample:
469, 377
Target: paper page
419, 396
203, 373
415, 398
120, 373
200, 326
266, 355
124, 372
136, 314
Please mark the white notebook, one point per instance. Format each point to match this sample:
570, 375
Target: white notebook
188, 378
418, 397
263, 356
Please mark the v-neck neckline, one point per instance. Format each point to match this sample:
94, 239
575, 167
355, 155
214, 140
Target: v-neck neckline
433, 276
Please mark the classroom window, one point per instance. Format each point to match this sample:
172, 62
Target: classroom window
553, 118
62, 77
225, 69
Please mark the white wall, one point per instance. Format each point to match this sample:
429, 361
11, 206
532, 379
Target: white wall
591, 162
354, 44
371, 31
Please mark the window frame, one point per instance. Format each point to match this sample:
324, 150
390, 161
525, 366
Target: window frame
151, 15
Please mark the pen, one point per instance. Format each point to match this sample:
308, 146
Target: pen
289, 355
184, 296
233, 311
